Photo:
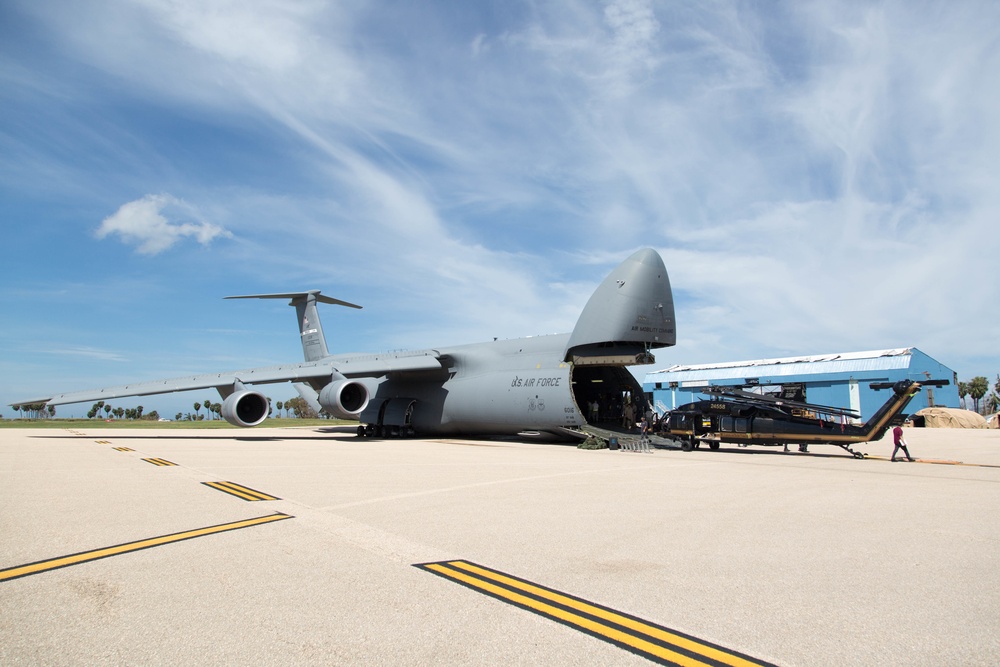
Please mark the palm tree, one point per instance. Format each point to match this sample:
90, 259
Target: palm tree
963, 391
107, 410
279, 405
977, 389
197, 408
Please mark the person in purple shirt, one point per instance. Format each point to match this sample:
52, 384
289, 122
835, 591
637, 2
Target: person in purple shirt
897, 438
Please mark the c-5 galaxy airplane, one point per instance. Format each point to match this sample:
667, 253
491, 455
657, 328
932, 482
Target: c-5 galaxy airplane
532, 386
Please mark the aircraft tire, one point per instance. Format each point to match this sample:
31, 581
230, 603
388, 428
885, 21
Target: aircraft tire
713, 446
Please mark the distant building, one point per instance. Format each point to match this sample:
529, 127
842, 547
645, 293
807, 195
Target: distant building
838, 380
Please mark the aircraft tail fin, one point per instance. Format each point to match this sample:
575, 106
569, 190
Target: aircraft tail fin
310, 327
629, 313
903, 392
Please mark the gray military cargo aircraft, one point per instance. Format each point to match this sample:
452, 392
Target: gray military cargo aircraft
534, 386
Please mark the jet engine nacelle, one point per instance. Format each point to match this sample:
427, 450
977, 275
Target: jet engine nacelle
344, 398
245, 408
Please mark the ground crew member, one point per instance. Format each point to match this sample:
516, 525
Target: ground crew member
897, 438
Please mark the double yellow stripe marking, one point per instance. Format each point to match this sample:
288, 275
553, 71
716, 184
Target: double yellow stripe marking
240, 491
160, 462
103, 442
649, 640
123, 449
87, 556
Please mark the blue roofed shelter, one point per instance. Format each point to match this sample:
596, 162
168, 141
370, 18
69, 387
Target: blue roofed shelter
837, 380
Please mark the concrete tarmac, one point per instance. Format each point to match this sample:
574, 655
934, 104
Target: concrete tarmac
790, 559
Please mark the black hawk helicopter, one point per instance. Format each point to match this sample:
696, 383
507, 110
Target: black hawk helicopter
741, 417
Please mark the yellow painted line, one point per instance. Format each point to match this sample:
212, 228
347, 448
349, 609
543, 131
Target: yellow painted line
160, 462
940, 462
103, 442
603, 613
123, 449
87, 556
652, 641
240, 491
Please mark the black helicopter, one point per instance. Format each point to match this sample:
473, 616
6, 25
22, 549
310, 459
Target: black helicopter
745, 418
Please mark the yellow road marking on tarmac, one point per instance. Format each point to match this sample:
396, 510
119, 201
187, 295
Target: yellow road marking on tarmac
160, 462
240, 491
87, 556
123, 449
647, 639
103, 442
940, 462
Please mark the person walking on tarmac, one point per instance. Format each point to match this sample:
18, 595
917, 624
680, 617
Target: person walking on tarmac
897, 438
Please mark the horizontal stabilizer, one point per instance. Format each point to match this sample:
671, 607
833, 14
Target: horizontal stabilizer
298, 295
313, 342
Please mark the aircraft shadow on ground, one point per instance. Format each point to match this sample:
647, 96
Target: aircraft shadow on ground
838, 454
469, 440
215, 435
315, 435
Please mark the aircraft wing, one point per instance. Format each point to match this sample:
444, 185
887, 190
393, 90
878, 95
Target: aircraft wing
373, 365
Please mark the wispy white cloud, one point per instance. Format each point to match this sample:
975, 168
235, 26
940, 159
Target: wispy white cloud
143, 223
86, 353
265, 34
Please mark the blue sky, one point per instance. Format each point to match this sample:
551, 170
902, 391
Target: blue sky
818, 177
